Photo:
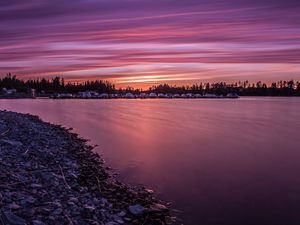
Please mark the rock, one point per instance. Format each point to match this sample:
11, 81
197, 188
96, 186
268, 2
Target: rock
11, 142
57, 211
104, 201
127, 219
28, 201
122, 213
57, 204
136, 210
37, 222
14, 219
14, 206
119, 221
149, 191
44, 211
73, 199
158, 208
47, 177
36, 185
89, 207
111, 223
93, 222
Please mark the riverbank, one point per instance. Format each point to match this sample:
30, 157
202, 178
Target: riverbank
49, 175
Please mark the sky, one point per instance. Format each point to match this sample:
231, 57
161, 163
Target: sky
141, 43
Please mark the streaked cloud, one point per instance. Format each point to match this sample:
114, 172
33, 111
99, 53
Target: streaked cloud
143, 42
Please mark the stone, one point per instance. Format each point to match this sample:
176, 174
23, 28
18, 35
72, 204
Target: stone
47, 177
57, 211
127, 219
27, 201
14, 219
44, 211
136, 210
149, 191
36, 185
57, 204
73, 199
119, 221
122, 213
104, 201
89, 207
158, 208
37, 222
14, 206
11, 142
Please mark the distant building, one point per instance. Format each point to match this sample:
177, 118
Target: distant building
160, 95
232, 95
183, 95
129, 95
9, 91
190, 95
84, 94
143, 95
33, 93
65, 95
152, 95
198, 96
103, 95
210, 95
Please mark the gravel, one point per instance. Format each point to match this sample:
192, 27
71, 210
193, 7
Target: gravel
49, 175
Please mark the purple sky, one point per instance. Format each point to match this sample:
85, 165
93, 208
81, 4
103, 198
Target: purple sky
142, 42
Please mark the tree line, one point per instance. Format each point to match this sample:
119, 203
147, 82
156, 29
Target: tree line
279, 88
245, 88
55, 85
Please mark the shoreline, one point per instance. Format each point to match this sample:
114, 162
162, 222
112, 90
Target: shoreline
50, 175
129, 98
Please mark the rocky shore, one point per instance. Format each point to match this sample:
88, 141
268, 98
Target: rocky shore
49, 175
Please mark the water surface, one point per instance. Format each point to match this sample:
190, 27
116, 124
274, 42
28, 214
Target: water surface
222, 162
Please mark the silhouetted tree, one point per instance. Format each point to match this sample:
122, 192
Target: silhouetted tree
58, 85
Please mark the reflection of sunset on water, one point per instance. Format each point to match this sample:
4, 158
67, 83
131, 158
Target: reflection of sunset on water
216, 160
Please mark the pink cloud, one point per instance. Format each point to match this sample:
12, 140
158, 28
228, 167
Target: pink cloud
178, 41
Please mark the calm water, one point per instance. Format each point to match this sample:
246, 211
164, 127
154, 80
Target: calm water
233, 162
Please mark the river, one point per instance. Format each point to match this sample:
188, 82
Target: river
219, 161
